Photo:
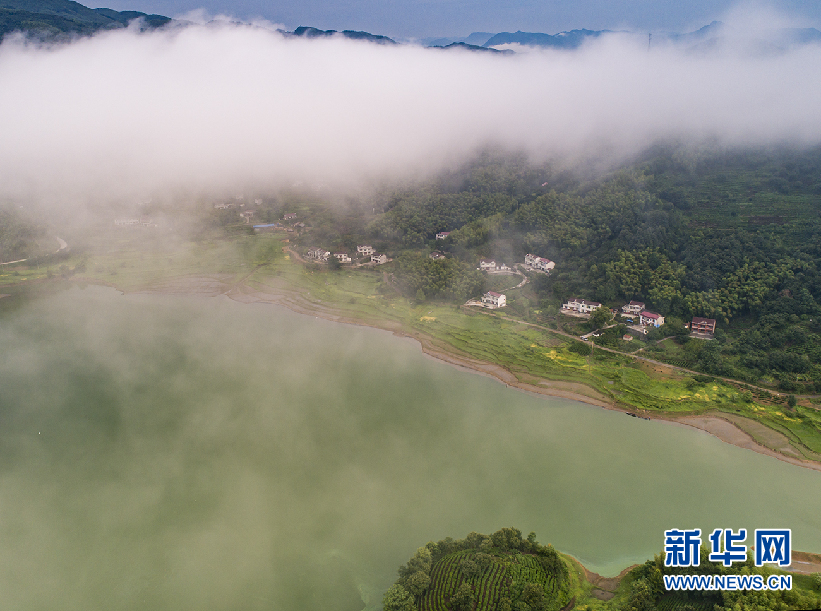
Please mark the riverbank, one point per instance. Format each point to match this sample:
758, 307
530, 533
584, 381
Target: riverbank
735, 430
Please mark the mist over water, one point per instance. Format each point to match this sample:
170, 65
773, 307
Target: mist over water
167, 453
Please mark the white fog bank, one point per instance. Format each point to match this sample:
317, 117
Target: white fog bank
215, 106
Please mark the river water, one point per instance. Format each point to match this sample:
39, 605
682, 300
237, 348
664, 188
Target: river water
161, 452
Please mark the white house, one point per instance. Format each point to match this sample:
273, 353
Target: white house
442, 235
487, 265
379, 259
539, 263
320, 254
342, 257
126, 222
651, 318
223, 206
581, 305
289, 216
365, 250
589, 306
436, 255
634, 308
494, 300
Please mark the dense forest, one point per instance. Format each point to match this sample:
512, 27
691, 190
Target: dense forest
733, 235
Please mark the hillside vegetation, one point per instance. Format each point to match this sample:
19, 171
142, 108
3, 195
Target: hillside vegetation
61, 19
502, 571
505, 572
729, 235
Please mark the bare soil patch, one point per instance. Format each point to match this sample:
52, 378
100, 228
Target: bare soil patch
730, 429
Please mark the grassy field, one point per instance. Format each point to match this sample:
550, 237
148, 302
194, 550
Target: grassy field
531, 353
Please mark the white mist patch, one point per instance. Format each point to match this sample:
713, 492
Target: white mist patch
219, 106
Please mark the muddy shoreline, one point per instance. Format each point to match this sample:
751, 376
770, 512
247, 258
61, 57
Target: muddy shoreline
720, 426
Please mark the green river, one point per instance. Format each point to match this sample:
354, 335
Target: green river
162, 452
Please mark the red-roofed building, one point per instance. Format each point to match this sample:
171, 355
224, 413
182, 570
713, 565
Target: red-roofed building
703, 325
494, 300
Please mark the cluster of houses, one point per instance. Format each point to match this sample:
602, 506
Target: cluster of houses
322, 255
532, 262
705, 326
646, 318
634, 308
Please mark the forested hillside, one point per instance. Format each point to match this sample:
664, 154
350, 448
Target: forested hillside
731, 235
61, 19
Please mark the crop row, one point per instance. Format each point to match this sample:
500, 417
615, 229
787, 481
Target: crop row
445, 579
674, 603
490, 587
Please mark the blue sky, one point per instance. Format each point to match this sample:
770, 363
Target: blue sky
423, 18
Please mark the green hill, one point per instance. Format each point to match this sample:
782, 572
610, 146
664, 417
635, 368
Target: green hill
58, 19
500, 572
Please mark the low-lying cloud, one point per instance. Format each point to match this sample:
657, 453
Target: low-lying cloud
225, 106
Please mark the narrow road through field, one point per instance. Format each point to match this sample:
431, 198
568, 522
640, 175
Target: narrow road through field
644, 358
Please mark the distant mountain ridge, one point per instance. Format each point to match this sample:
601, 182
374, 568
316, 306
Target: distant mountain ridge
465, 46
309, 32
563, 40
58, 19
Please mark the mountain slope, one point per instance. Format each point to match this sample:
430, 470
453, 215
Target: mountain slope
56, 19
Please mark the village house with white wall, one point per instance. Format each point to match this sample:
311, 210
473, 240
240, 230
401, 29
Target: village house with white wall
582, 306
539, 263
342, 257
379, 259
650, 319
492, 299
442, 235
633, 308
365, 251
318, 254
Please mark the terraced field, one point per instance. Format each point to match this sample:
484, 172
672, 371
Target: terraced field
505, 577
